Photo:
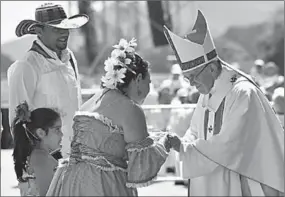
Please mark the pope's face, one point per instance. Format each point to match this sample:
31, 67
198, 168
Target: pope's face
202, 78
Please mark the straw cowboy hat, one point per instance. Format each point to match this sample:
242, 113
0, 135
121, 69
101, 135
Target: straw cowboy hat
51, 15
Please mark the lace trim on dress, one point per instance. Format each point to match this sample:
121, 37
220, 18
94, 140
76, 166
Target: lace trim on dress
99, 162
108, 122
111, 167
141, 145
144, 144
141, 184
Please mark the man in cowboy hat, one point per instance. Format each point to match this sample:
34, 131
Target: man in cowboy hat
48, 75
235, 144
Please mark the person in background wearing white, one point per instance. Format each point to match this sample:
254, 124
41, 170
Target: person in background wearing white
48, 76
256, 71
175, 82
278, 104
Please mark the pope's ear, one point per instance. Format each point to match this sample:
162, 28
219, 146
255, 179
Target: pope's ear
214, 68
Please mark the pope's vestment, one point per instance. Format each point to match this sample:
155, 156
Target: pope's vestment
239, 146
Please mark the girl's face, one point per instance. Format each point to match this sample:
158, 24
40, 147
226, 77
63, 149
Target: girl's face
54, 136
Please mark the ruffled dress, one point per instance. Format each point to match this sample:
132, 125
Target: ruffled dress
102, 164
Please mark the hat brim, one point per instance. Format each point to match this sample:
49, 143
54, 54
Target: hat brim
73, 22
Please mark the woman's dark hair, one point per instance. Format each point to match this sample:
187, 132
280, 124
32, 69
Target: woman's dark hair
25, 136
138, 65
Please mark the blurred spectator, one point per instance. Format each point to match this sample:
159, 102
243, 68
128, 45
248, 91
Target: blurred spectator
194, 96
152, 97
271, 79
171, 59
6, 137
164, 95
278, 103
176, 81
257, 71
181, 97
270, 73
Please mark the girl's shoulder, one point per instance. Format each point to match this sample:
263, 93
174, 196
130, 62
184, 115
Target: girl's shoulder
41, 158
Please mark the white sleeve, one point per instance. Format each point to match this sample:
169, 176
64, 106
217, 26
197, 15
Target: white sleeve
22, 82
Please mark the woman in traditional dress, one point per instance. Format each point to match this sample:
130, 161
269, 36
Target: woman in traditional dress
112, 152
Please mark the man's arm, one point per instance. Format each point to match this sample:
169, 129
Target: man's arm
22, 81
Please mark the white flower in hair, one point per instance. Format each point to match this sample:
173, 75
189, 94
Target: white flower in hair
109, 64
133, 43
116, 53
119, 59
123, 44
112, 78
108, 83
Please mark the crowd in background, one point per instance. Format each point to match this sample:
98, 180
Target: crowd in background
271, 83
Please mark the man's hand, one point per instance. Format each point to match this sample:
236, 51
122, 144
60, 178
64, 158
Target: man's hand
174, 141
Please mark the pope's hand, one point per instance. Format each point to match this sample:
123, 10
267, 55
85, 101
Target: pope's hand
175, 142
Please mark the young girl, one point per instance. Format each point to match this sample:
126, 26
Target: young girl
37, 134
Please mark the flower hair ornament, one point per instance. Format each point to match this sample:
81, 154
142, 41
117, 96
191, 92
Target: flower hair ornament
116, 66
23, 115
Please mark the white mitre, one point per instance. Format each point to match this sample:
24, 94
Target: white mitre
196, 48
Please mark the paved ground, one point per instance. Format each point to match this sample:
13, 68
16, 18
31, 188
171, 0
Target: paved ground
9, 182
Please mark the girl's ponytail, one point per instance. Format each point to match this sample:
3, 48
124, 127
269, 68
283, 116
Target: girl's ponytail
23, 143
22, 148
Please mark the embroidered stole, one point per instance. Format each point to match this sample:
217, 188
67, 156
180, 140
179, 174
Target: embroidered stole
217, 121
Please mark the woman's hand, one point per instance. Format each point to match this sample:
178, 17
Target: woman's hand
166, 143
